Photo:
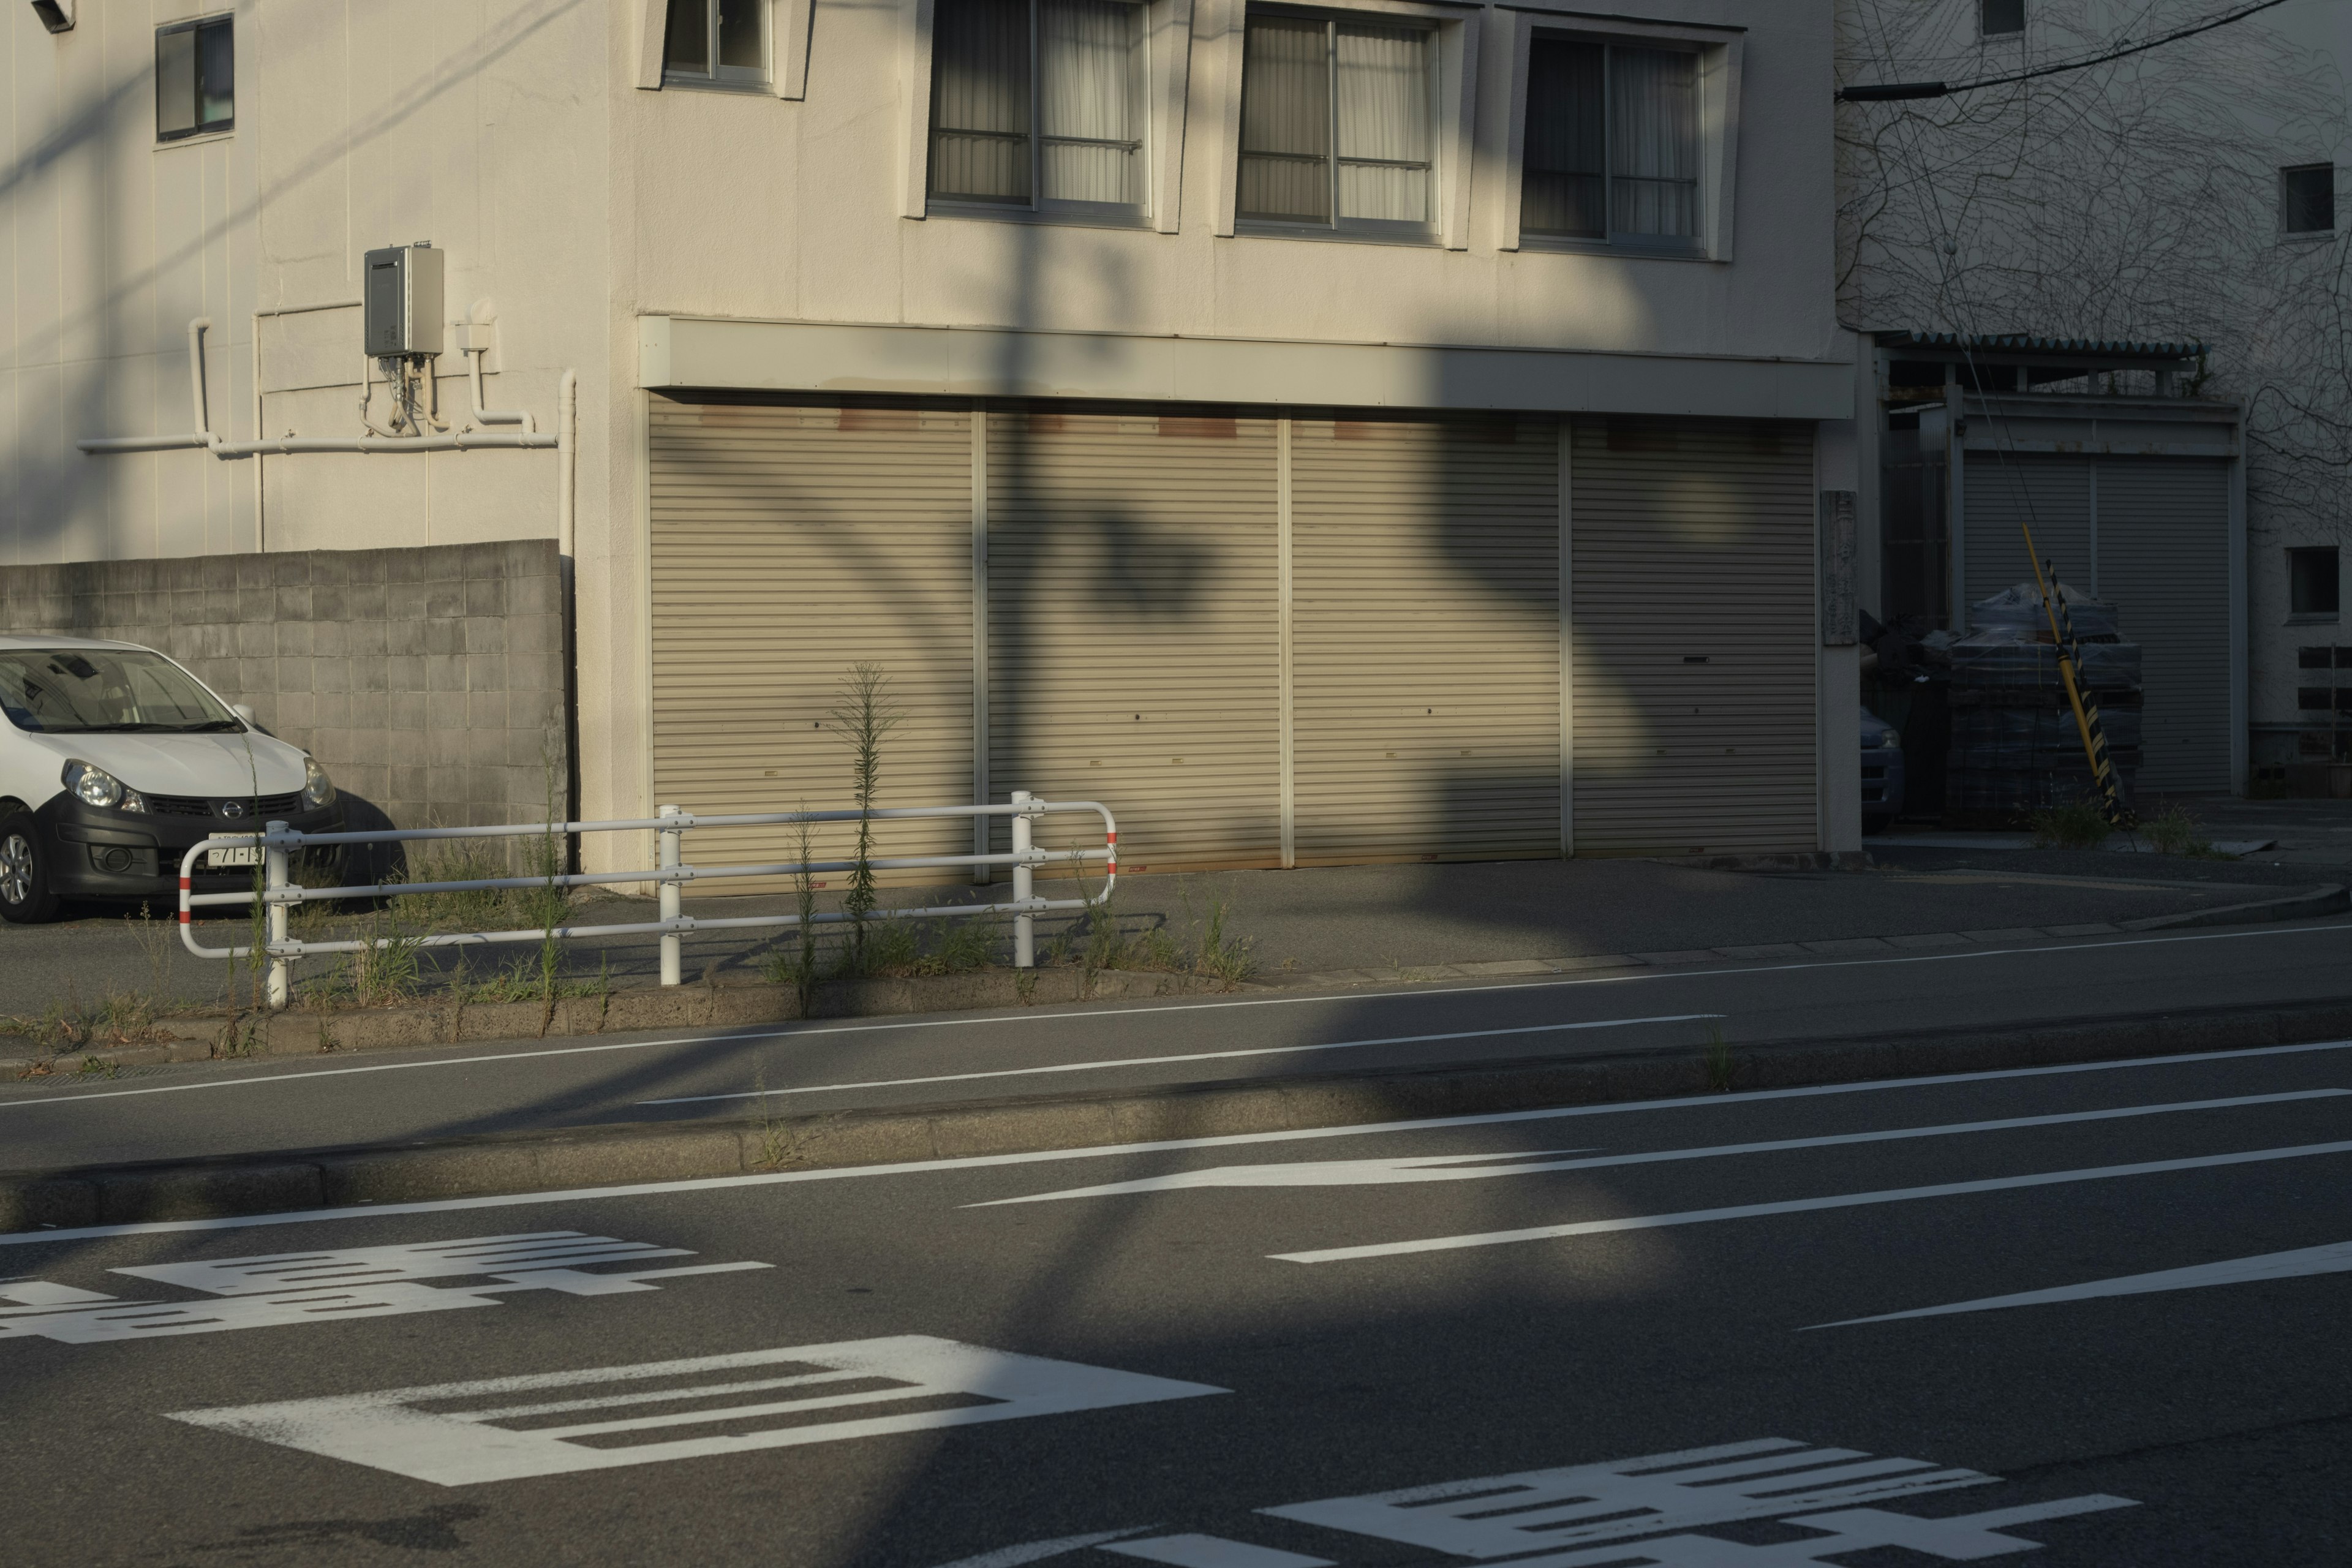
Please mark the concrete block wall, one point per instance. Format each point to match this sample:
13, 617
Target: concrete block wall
431, 683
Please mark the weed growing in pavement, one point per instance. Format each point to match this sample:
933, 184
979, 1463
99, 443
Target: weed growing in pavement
98, 1066
126, 1018
2174, 832
866, 713
2079, 826
1222, 958
1718, 1061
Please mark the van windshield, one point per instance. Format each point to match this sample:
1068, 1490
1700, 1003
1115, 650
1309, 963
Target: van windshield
93, 690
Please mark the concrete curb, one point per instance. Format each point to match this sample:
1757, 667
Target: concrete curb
2331, 899
543, 1162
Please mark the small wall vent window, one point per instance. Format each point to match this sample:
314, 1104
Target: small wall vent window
2308, 198
195, 78
717, 41
2312, 581
1038, 104
1338, 124
1612, 144
1997, 18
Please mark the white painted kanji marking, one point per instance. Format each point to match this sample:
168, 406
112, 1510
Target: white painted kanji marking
279, 1288
1499, 1516
391, 1430
1966, 1538
2336, 1258
1213, 1552
489, 1254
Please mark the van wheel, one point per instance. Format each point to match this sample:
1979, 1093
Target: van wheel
25, 898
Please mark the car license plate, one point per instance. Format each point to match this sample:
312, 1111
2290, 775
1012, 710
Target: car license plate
228, 859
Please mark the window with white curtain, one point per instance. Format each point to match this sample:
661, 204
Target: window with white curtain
1338, 123
721, 41
1612, 148
1037, 105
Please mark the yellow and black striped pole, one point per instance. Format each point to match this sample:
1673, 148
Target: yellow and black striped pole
2087, 708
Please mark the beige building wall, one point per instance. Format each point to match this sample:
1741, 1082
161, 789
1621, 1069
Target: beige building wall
571, 202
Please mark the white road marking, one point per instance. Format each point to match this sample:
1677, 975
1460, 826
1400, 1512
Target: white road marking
1115, 1150
1213, 1552
355, 1282
390, 1430
1962, 1537
2336, 1258
1039, 1551
1807, 1205
57, 1097
1499, 1516
1188, 1056
1476, 1167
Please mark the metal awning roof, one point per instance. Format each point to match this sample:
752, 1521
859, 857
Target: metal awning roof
2033, 344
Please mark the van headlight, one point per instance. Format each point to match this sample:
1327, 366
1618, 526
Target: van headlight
318, 789
96, 787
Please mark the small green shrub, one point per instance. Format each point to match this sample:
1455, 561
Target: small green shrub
2173, 831
2079, 826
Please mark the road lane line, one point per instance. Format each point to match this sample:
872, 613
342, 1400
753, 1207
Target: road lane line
59, 1097
1114, 1151
1187, 1056
1459, 1168
2336, 1258
1804, 1205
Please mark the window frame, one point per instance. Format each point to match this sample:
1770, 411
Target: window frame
1038, 208
2296, 555
761, 79
1720, 50
2323, 231
1422, 230
1457, 66
1611, 237
198, 26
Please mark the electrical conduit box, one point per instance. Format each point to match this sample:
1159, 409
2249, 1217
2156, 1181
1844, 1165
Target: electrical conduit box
402, 300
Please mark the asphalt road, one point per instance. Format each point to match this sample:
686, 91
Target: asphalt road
2096, 1309
281, 1105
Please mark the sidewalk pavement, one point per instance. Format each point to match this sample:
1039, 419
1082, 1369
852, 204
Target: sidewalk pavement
1391, 922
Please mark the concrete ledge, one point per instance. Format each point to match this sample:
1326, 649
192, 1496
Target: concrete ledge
544, 1161
2331, 899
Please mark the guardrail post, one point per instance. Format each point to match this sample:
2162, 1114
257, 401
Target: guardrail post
281, 986
669, 859
1024, 887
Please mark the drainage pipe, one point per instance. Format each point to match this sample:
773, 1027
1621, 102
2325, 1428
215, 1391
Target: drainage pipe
482, 415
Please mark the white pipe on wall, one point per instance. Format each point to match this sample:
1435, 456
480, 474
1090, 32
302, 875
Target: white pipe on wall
567, 436
197, 327
493, 416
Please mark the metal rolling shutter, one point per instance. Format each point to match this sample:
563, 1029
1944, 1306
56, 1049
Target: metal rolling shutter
1694, 656
1133, 635
1426, 639
788, 543
2164, 561
2005, 491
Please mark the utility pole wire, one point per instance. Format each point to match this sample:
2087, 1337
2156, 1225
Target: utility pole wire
1883, 92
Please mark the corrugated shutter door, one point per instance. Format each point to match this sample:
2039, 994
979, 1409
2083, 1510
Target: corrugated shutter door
1426, 639
2164, 561
1694, 639
788, 543
2004, 493
1133, 645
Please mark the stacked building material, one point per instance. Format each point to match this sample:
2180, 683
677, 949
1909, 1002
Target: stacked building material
2015, 747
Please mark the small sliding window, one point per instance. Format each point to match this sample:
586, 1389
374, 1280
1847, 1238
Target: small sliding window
1338, 123
1037, 106
1612, 145
720, 43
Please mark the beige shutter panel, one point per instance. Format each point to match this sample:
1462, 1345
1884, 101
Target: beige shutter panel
1694, 638
1425, 651
788, 543
1132, 640
2164, 561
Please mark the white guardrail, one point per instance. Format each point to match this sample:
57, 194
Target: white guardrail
279, 892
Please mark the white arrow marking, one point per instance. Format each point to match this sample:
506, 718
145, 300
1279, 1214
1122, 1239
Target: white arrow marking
1470, 1167
1808, 1205
2336, 1258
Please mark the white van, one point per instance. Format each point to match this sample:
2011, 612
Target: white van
114, 761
